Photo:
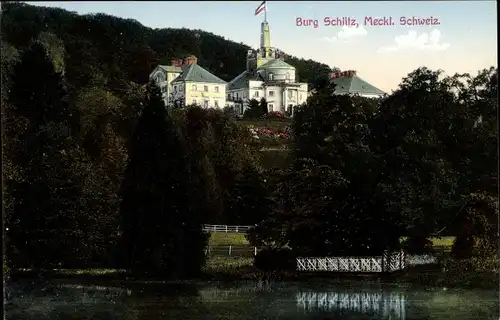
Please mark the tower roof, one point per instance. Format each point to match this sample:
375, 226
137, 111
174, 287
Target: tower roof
276, 64
195, 73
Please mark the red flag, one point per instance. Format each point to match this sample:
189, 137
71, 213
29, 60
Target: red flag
261, 8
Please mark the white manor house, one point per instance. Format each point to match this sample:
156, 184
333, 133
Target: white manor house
267, 76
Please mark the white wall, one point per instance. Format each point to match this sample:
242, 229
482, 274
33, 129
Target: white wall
287, 75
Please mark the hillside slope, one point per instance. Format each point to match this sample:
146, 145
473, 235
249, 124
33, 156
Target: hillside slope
124, 49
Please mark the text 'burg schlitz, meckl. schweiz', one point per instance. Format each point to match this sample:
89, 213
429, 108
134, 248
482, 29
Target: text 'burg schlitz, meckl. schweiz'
367, 21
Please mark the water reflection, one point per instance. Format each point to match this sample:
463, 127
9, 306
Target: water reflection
385, 305
54, 301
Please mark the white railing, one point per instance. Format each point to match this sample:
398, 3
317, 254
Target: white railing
389, 262
225, 228
237, 251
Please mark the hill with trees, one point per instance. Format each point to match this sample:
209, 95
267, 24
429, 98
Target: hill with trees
124, 50
98, 173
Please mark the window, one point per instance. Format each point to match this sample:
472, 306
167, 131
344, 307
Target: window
193, 88
270, 107
216, 89
229, 96
256, 94
205, 103
216, 103
290, 94
288, 75
205, 88
175, 88
236, 95
194, 101
271, 93
270, 77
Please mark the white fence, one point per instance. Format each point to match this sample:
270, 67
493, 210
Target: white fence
236, 251
389, 262
225, 228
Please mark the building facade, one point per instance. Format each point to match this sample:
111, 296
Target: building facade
187, 83
267, 76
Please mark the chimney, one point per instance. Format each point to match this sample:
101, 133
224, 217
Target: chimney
190, 60
176, 63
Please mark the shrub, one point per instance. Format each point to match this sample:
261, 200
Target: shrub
275, 115
271, 259
463, 247
417, 245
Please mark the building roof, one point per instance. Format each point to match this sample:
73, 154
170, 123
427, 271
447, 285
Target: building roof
241, 81
166, 69
276, 63
355, 85
195, 73
170, 68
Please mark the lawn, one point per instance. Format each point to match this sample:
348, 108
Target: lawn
227, 239
439, 242
238, 239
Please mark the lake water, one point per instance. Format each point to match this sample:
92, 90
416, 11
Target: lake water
245, 301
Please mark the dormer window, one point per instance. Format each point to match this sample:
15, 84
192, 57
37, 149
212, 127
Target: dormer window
270, 77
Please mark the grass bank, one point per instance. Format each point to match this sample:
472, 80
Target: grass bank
242, 269
227, 238
239, 239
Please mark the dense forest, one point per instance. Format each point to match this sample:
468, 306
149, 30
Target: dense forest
98, 173
125, 50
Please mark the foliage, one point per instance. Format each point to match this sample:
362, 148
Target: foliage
263, 106
162, 233
363, 172
275, 115
44, 153
417, 245
123, 50
272, 259
403, 165
254, 110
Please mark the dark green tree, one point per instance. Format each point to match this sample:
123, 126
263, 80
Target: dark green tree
263, 106
43, 221
253, 110
162, 234
332, 189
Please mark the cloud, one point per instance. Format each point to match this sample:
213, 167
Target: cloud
347, 33
414, 41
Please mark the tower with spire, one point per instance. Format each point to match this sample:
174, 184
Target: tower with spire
266, 53
267, 76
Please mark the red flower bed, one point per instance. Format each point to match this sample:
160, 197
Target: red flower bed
275, 115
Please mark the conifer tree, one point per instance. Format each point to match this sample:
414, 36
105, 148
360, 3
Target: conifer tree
157, 218
42, 225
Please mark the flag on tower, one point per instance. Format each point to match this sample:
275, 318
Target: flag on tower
261, 8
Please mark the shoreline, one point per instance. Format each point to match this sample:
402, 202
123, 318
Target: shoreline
408, 278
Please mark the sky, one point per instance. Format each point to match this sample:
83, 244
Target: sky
457, 36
